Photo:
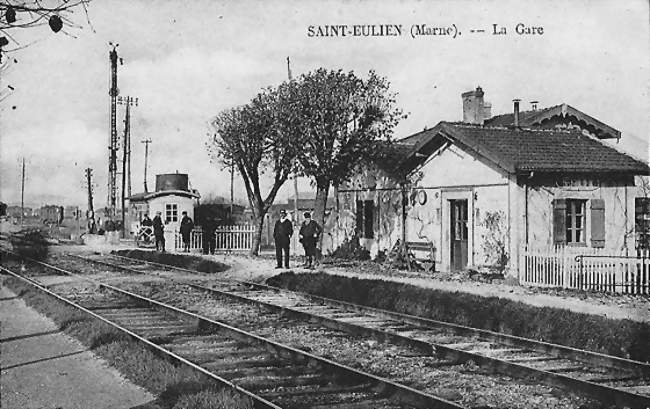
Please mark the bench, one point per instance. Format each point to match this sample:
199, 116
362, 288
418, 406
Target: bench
423, 252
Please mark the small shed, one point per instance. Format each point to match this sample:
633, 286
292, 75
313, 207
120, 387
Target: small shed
171, 198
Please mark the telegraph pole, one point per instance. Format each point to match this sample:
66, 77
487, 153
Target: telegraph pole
295, 176
146, 158
89, 186
126, 158
22, 195
112, 147
91, 210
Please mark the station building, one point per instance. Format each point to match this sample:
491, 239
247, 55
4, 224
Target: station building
172, 197
482, 189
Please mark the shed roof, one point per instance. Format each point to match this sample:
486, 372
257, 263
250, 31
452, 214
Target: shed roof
145, 196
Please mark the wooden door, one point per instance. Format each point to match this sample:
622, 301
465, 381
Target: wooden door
458, 234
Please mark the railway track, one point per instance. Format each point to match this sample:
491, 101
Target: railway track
271, 374
608, 379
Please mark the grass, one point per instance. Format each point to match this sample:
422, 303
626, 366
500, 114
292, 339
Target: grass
177, 386
185, 261
623, 338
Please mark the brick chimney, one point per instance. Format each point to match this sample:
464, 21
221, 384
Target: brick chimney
516, 112
487, 110
473, 106
475, 109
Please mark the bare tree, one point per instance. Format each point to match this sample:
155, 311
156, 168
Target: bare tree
16, 15
21, 14
253, 138
343, 120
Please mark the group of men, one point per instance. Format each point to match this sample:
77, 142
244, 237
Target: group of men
309, 234
159, 230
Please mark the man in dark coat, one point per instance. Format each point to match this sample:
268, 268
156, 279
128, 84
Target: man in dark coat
282, 236
146, 221
159, 232
309, 233
186, 230
208, 227
144, 229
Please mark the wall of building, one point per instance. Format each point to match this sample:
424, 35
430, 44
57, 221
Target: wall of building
450, 175
455, 175
184, 204
386, 196
504, 212
617, 193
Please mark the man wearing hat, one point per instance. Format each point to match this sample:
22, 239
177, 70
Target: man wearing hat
282, 236
309, 233
186, 231
159, 232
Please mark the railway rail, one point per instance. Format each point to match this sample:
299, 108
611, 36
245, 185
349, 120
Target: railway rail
271, 374
611, 380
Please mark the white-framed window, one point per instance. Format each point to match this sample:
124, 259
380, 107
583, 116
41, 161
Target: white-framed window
171, 212
575, 221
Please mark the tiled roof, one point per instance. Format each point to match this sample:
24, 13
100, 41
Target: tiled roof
537, 117
526, 118
523, 150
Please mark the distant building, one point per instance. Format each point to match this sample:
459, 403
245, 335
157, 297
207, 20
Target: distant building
51, 214
14, 211
71, 212
222, 213
171, 198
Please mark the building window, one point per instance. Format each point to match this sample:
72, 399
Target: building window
171, 212
575, 221
642, 222
365, 218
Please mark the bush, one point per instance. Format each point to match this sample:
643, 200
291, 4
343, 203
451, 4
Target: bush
30, 243
189, 262
351, 249
623, 338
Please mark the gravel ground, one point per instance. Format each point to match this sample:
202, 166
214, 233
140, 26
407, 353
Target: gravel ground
244, 267
466, 384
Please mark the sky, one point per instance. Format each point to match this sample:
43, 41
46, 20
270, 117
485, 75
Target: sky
188, 60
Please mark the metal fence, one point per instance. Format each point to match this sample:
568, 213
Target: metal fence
586, 269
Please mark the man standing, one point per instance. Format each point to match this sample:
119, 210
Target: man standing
282, 236
186, 230
146, 227
159, 232
208, 227
309, 233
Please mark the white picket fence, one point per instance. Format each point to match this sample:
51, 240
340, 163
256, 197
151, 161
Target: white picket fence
586, 269
234, 238
196, 239
237, 238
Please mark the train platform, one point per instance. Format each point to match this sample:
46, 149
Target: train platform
43, 368
244, 267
